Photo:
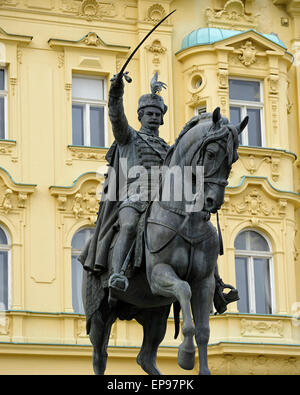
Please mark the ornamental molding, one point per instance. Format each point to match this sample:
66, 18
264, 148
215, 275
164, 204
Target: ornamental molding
8, 147
87, 153
123, 11
90, 40
292, 7
17, 38
158, 50
248, 53
5, 323
196, 79
89, 9
196, 100
81, 200
13, 196
155, 13
256, 196
156, 47
262, 328
254, 203
11, 3
253, 161
233, 16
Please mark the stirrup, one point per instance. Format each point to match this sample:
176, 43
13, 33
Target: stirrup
118, 281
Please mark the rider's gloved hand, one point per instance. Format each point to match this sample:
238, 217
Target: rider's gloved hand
117, 86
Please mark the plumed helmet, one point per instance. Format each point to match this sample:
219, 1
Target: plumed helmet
153, 99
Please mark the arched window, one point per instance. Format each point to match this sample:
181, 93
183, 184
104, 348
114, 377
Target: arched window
78, 242
254, 273
4, 270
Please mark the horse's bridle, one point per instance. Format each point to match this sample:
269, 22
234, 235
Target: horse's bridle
207, 179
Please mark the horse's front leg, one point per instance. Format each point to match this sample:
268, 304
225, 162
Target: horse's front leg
202, 299
165, 282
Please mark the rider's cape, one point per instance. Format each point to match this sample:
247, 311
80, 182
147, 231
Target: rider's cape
95, 254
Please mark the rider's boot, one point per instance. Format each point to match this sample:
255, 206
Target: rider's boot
118, 280
222, 299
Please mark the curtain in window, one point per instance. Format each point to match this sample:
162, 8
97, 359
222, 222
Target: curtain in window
78, 243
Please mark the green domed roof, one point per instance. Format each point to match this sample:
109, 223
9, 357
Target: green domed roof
210, 35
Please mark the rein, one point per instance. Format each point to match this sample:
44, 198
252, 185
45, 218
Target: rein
177, 232
214, 180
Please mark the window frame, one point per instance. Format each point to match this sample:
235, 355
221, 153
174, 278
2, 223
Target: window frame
243, 105
200, 110
4, 94
86, 104
7, 248
250, 255
76, 252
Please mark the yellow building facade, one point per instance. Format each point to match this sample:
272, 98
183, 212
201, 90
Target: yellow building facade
56, 60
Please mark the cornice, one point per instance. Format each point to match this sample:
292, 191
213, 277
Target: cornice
17, 38
292, 6
265, 183
16, 186
266, 151
56, 190
90, 40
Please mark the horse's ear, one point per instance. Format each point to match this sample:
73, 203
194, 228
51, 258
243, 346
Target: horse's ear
216, 115
243, 124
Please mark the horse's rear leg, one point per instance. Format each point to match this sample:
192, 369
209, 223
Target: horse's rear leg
164, 281
99, 336
154, 324
202, 300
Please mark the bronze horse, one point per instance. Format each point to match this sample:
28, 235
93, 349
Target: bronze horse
181, 251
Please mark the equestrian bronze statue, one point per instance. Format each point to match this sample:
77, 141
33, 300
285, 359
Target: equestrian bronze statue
150, 252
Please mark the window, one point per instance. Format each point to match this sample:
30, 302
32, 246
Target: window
78, 243
88, 111
4, 270
3, 104
246, 98
200, 110
254, 273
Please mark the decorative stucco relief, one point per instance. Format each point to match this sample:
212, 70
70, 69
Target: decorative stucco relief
248, 53
157, 49
89, 9
155, 13
233, 15
5, 323
253, 202
87, 153
80, 202
253, 162
13, 197
260, 328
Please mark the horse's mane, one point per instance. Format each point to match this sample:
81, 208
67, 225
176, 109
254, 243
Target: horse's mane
204, 117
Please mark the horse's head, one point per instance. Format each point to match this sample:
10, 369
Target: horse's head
209, 141
217, 154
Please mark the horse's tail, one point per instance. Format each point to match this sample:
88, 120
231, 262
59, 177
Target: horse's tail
176, 311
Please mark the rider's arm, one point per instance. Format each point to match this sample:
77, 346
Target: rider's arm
116, 111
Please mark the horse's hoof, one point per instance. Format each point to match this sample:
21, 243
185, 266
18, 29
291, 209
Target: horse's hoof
186, 358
